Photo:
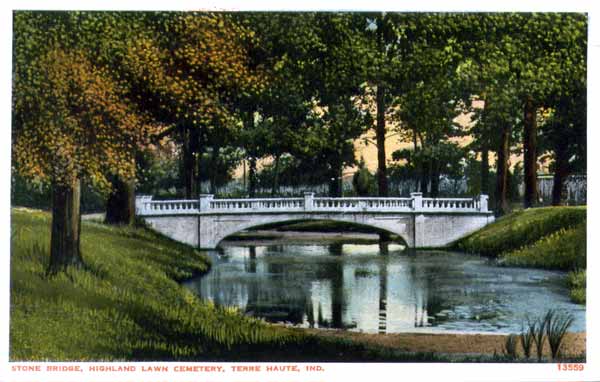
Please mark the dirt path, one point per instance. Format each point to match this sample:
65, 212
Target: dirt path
574, 343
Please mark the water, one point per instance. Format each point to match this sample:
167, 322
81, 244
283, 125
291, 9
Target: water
381, 289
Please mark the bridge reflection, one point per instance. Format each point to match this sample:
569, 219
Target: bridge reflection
335, 286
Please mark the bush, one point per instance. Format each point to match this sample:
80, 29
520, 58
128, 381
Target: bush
363, 181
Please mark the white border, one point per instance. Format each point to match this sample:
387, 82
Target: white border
345, 372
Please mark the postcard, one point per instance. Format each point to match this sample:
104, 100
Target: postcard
227, 192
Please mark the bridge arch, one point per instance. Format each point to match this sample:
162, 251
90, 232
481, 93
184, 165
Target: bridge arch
402, 234
215, 228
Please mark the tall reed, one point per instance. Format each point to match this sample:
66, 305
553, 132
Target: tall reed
557, 324
510, 346
539, 334
527, 335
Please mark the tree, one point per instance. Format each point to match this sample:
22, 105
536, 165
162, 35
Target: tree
70, 120
564, 136
517, 61
545, 53
187, 69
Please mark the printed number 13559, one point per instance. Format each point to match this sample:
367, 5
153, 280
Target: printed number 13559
570, 366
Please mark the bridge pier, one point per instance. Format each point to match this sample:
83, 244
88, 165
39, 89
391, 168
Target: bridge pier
421, 222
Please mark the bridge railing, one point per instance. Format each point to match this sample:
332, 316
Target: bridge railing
144, 205
309, 203
250, 205
362, 204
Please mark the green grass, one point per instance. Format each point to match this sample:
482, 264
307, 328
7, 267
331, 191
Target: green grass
550, 238
520, 229
577, 283
127, 304
564, 249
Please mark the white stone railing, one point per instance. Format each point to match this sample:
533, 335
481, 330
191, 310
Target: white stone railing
144, 205
362, 204
249, 205
309, 203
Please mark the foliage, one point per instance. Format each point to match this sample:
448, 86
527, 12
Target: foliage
27, 194
521, 228
292, 171
71, 116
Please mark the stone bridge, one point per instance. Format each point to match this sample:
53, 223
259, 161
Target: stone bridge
420, 222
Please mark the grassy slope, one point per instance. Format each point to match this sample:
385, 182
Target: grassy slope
521, 228
126, 304
551, 237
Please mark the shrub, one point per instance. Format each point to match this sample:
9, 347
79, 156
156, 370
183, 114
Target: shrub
363, 181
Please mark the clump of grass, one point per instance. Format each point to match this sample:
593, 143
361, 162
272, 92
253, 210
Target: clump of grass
510, 346
520, 229
526, 337
557, 324
564, 249
577, 283
539, 334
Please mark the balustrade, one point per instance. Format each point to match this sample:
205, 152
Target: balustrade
206, 204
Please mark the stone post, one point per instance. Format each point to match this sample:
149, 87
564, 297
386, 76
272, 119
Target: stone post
308, 201
140, 203
417, 198
483, 203
204, 202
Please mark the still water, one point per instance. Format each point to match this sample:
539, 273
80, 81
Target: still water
380, 288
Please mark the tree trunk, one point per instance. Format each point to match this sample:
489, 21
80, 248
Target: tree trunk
382, 183
214, 168
251, 177
502, 206
335, 187
561, 171
190, 162
435, 179
120, 206
66, 223
424, 179
275, 184
530, 154
485, 170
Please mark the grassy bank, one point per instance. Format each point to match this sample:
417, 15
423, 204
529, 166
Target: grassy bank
127, 304
550, 238
520, 229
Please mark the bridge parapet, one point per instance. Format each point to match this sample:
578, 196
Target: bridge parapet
206, 204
